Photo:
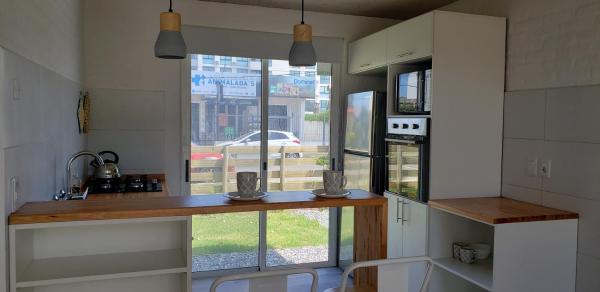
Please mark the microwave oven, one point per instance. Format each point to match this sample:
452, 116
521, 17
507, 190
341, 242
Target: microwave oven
413, 92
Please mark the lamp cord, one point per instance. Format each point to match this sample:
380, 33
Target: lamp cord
302, 12
170, 5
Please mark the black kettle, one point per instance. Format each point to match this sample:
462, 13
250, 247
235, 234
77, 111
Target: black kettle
109, 170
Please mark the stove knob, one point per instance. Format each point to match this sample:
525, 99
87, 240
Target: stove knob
404, 126
415, 126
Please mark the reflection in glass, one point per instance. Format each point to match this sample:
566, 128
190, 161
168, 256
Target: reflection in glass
403, 169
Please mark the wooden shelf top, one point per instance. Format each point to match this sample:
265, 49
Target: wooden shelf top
126, 208
499, 210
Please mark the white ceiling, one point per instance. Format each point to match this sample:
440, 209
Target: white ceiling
399, 9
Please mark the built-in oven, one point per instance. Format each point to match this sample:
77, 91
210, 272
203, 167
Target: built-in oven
407, 157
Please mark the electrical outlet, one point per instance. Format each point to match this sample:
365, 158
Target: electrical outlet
546, 168
532, 167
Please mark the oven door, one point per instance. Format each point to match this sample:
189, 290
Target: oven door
406, 168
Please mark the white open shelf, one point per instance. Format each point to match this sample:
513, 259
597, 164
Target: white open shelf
145, 254
53, 271
479, 273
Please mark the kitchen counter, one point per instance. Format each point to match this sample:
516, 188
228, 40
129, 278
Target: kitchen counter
499, 210
164, 223
141, 195
126, 208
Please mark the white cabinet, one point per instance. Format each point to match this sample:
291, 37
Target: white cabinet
368, 53
410, 40
394, 245
414, 240
526, 256
407, 227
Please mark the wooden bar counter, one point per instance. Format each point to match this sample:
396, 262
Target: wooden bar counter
370, 226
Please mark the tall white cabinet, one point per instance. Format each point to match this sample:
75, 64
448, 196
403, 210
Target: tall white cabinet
467, 56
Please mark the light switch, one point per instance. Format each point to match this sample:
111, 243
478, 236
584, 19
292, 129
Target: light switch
546, 168
532, 167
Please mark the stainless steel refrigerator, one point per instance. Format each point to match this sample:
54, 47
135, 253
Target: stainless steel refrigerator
364, 157
364, 147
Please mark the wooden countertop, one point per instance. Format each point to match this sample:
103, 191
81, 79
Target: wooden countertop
499, 210
64, 211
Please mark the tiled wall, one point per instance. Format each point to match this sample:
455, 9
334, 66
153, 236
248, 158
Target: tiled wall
561, 125
132, 124
38, 128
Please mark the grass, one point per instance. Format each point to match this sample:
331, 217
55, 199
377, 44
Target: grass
238, 232
347, 228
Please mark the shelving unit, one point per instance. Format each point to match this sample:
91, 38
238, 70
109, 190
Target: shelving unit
119, 254
479, 273
534, 247
52, 271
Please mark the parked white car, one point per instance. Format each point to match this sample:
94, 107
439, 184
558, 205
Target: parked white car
276, 138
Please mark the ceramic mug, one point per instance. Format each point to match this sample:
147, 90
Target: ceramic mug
334, 182
456, 249
468, 255
247, 183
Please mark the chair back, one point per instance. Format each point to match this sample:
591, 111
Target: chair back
269, 280
395, 274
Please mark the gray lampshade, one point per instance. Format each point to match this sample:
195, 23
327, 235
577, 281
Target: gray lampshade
170, 45
303, 54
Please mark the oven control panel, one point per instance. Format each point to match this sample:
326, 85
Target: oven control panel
407, 126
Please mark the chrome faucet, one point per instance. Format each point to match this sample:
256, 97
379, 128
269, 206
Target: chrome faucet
70, 194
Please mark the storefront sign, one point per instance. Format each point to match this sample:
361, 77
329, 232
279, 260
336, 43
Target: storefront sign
292, 86
234, 84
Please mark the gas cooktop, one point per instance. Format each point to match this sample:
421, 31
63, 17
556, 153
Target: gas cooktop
125, 184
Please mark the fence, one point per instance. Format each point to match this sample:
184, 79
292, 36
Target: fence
289, 167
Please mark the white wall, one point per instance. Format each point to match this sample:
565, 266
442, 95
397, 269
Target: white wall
45, 32
552, 108
40, 52
118, 43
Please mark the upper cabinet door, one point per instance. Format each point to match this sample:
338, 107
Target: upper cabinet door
367, 53
410, 40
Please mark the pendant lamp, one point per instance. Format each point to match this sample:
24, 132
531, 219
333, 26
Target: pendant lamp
302, 52
170, 43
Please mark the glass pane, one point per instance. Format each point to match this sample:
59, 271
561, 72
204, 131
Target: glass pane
358, 171
403, 169
408, 166
359, 121
225, 124
298, 154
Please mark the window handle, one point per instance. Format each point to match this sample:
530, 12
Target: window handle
187, 170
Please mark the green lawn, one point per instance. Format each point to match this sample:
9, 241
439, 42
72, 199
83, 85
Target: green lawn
238, 232
347, 228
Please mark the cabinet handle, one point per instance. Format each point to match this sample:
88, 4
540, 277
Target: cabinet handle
398, 210
405, 54
403, 220
365, 65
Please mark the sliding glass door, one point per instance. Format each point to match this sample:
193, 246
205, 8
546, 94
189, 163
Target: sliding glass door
225, 138
298, 152
246, 113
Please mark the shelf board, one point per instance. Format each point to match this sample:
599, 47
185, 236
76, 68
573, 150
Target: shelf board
63, 270
479, 273
499, 210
